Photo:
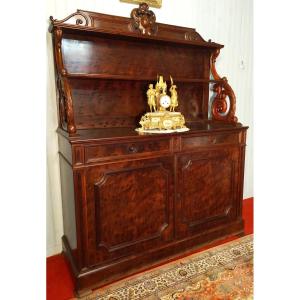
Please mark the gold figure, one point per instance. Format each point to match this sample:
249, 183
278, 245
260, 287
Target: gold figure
157, 96
151, 94
174, 96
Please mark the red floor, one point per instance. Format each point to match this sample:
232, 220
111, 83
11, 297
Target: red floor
59, 281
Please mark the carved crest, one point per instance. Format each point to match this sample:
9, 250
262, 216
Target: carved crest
143, 19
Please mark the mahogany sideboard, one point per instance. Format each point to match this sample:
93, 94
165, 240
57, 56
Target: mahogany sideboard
131, 200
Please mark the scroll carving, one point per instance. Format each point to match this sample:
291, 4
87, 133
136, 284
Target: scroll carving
77, 18
65, 96
192, 36
219, 108
143, 19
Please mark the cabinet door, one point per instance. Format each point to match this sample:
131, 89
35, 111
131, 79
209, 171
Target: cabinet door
129, 208
208, 189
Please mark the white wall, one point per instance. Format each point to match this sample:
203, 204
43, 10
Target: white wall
227, 22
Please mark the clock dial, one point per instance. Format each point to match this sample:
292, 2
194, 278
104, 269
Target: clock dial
165, 101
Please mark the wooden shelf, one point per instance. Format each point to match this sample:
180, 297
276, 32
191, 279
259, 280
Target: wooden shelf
134, 78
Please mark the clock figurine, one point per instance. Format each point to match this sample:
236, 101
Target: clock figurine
162, 117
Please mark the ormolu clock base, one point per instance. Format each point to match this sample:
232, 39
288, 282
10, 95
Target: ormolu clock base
162, 121
141, 130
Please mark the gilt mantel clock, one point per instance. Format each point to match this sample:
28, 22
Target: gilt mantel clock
130, 198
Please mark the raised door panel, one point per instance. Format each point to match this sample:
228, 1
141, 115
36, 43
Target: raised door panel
208, 190
129, 208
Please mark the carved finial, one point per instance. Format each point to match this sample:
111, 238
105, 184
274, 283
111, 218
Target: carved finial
143, 19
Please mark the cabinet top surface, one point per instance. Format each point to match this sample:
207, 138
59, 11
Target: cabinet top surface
99, 134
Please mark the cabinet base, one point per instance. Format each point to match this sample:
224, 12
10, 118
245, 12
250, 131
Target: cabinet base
99, 276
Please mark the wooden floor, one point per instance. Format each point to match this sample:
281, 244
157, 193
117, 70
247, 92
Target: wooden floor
59, 281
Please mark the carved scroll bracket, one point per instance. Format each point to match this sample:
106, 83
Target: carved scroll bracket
77, 18
57, 51
61, 104
143, 20
219, 107
64, 90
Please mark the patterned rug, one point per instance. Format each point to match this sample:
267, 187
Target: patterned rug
221, 273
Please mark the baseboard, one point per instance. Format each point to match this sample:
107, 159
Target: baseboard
249, 199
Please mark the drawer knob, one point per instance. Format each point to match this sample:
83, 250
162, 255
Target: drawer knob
132, 149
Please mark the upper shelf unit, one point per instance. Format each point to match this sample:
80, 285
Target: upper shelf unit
124, 56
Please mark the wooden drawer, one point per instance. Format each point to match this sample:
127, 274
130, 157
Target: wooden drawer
119, 150
208, 140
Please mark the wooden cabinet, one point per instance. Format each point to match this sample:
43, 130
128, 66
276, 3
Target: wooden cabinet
131, 200
207, 190
136, 209
131, 207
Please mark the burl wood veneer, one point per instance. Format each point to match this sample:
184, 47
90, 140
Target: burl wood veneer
132, 200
